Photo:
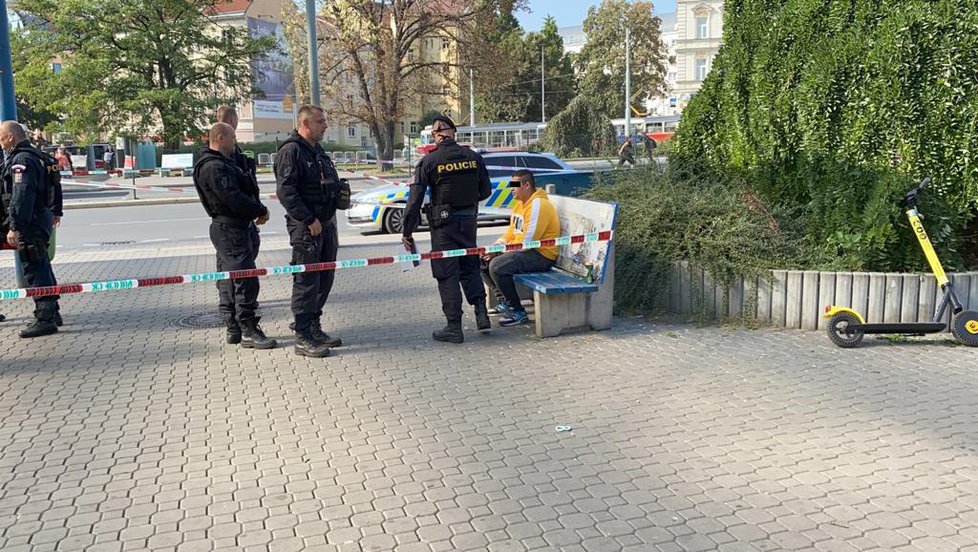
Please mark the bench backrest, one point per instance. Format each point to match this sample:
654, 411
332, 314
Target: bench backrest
177, 161
582, 216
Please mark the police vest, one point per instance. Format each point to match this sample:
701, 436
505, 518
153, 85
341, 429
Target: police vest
456, 177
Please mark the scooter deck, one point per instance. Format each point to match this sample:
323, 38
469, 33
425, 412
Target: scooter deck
900, 328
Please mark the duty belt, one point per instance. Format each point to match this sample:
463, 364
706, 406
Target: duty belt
230, 221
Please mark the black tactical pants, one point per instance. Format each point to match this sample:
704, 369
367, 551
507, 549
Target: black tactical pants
238, 299
310, 290
38, 273
458, 232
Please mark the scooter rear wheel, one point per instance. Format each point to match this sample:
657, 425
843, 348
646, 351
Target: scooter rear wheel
839, 332
964, 327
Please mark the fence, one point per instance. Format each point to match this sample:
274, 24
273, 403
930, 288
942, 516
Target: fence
797, 299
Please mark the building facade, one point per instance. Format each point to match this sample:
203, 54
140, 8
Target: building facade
270, 116
699, 28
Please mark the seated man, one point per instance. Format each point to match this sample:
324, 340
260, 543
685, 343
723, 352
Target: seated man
533, 218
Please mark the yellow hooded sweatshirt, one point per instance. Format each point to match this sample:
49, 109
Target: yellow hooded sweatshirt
534, 220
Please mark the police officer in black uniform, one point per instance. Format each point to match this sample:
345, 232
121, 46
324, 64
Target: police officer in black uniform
227, 114
221, 186
311, 191
27, 199
458, 180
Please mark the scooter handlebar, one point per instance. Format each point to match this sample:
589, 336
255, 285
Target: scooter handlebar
910, 199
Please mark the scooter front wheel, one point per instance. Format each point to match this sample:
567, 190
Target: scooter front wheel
840, 332
964, 327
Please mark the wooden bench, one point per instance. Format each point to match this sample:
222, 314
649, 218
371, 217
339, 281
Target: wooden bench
562, 298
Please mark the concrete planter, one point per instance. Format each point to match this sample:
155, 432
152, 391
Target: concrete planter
797, 299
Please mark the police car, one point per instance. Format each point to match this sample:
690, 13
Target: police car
382, 208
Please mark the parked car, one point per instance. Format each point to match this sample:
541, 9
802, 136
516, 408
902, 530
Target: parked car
382, 208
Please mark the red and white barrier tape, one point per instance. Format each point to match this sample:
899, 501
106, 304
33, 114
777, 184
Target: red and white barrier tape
133, 283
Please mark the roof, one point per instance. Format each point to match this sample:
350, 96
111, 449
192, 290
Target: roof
231, 6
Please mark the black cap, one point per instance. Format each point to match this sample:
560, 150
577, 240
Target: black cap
445, 119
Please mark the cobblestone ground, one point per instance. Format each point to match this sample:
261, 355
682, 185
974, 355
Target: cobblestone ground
127, 431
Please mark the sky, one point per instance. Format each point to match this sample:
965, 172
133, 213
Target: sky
571, 12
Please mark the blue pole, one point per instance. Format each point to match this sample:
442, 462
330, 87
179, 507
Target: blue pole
8, 102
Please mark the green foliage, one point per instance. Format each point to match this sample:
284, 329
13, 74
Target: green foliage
830, 109
602, 60
513, 91
130, 66
666, 218
579, 130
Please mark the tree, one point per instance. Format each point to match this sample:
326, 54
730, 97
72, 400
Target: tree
581, 129
514, 94
378, 57
127, 67
294, 28
602, 60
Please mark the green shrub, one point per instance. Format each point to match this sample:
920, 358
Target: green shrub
830, 109
683, 216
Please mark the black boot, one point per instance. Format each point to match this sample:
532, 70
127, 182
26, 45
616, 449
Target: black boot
306, 345
57, 316
253, 338
319, 335
233, 331
43, 323
451, 333
482, 322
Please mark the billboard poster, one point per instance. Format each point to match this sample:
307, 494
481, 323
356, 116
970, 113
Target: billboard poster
272, 76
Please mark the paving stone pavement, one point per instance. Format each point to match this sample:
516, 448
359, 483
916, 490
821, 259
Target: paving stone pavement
129, 432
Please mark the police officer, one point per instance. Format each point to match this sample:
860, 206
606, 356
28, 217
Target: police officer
458, 180
311, 191
26, 199
220, 185
227, 114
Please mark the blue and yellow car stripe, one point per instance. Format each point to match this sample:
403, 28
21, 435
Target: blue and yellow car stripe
502, 196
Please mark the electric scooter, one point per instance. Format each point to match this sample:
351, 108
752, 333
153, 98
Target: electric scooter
847, 327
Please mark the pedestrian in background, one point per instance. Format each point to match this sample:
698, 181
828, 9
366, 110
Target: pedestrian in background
625, 153
311, 191
458, 180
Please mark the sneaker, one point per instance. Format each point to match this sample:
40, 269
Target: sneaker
319, 335
38, 327
515, 318
252, 337
502, 307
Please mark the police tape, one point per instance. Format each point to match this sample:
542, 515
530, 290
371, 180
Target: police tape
133, 283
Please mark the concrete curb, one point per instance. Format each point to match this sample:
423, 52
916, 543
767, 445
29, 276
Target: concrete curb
130, 202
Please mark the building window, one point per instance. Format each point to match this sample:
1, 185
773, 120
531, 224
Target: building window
414, 127
702, 27
701, 69
402, 127
444, 44
351, 130
411, 54
671, 77
672, 101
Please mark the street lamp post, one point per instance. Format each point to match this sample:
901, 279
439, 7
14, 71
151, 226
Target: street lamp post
628, 82
313, 52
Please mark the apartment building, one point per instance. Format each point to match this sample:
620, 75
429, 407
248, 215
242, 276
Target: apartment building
699, 27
